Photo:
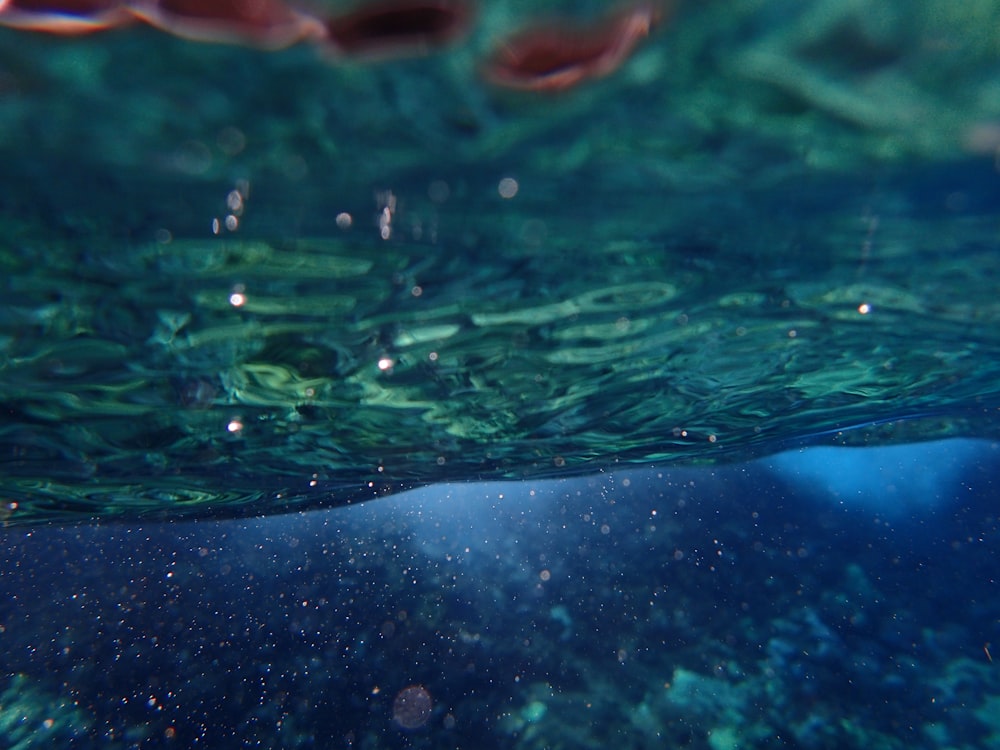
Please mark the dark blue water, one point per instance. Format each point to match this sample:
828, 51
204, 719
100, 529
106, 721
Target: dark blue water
819, 600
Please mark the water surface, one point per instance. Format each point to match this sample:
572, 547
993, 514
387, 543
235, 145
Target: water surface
241, 282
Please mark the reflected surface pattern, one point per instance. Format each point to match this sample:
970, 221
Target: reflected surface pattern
241, 281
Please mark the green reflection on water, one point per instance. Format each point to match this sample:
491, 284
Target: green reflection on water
682, 274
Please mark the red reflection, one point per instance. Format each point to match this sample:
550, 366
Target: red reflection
271, 24
549, 57
399, 27
559, 56
64, 16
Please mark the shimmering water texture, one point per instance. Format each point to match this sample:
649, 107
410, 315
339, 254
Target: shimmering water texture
236, 281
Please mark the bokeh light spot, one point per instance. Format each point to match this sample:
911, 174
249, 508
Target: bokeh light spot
412, 707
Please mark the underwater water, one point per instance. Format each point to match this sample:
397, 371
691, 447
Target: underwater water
674, 394
762, 605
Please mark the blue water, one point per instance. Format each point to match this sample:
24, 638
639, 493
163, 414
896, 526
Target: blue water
823, 598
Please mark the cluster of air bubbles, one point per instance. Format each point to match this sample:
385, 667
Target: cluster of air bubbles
386, 201
236, 201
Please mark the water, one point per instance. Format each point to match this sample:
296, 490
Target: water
691, 267
686, 315
749, 606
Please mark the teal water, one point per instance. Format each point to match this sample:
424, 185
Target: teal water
776, 225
